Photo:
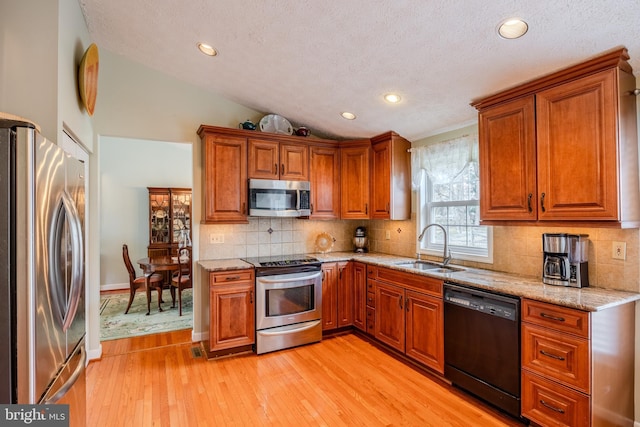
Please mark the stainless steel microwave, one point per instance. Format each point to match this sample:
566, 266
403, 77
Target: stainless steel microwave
270, 197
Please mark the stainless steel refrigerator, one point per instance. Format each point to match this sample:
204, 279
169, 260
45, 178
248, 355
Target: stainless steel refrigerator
42, 283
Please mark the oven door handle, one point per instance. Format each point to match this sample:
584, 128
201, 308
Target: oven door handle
292, 331
290, 279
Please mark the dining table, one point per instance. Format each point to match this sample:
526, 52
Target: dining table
157, 264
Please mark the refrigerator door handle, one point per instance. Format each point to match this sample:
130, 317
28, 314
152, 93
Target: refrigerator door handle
66, 213
71, 381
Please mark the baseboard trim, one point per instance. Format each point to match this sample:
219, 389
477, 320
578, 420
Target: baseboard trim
114, 287
94, 354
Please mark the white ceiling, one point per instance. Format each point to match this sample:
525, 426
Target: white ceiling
309, 60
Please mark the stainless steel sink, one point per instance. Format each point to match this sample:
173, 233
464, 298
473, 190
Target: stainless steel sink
423, 265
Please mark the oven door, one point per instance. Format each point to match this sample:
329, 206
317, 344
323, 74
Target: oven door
287, 299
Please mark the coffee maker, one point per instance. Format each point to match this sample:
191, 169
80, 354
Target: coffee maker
565, 259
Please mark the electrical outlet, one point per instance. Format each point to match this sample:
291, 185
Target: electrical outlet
387, 234
216, 238
619, 250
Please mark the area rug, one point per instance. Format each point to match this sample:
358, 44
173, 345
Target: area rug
115, 324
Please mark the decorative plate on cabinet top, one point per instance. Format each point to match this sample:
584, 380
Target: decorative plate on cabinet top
274, 123
324, 242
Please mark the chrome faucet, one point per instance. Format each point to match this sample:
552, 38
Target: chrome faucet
446, 253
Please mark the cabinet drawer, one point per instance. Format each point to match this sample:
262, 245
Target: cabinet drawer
234, 276
371, 320
554, 316
371, 286
547, 403
417, 282
371, 299
562, 357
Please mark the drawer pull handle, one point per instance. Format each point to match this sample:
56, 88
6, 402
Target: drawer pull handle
550, 317
529, 202
229, 278
553, 356
553, 408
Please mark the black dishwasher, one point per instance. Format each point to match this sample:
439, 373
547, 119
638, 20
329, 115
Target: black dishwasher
482, 344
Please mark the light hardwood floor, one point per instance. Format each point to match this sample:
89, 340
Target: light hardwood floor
342, 381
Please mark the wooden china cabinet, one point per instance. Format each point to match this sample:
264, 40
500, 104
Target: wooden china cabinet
169, 218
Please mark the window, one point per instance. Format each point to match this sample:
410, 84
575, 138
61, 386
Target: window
449, 194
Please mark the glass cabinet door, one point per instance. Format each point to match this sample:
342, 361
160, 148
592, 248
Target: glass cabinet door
181, 214
160, 218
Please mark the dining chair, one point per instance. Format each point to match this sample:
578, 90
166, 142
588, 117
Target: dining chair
135, 283
182, 278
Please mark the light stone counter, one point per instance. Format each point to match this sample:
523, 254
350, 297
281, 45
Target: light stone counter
588, 299
224, 264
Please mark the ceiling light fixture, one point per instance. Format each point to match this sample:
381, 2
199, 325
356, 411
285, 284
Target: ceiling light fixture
512, 28
392, 98
347, 115
207, 49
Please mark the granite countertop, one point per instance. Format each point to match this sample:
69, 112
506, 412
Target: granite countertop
224, 264
588, 299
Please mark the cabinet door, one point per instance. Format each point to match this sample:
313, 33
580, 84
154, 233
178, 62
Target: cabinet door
232, 321
507, 154
345, 294
329, 296
425, 330
159, 217
225, 179
180, 214
360, 296
389, 323
381, 180
324, 172
264, 159
577, 149
354, 173
294, 162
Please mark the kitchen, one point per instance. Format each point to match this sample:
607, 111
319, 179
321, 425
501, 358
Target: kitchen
123, 109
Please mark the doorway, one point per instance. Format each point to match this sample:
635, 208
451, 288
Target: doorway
127, 168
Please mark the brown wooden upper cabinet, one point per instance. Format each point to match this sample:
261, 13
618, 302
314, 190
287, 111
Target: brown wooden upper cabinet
354, 179
324, 175
563, 147
224, 175
390, 177
269, 159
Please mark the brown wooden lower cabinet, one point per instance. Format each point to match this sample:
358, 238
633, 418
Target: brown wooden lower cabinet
359, 279
549, 403
337, 295
231, 309
577, 366
409, 315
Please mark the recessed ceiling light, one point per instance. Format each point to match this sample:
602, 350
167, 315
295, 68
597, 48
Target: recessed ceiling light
347, 115
207, 49
392, 98
512, 28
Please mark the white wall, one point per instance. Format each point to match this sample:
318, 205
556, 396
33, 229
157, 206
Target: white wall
127, 168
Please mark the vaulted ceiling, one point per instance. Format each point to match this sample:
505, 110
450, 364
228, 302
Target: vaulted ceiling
311, 60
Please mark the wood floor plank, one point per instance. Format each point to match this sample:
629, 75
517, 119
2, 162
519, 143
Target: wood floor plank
341, 381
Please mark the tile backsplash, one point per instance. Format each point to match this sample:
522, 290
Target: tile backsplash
515, 249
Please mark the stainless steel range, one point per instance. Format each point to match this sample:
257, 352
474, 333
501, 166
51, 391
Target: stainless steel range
288, 301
